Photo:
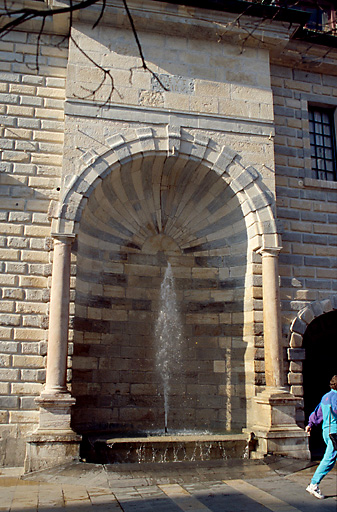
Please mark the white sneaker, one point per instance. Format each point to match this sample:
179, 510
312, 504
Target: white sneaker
315, 491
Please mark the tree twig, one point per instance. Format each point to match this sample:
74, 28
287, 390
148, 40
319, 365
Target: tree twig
106, 75
140, 50
26, 14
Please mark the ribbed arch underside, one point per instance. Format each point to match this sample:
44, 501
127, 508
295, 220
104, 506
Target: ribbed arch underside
147, 212
157, 195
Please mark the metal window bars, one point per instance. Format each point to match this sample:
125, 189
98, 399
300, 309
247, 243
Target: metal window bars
322, 143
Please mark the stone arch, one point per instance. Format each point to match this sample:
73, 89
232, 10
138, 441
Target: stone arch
213, 212
256, 203
296, 352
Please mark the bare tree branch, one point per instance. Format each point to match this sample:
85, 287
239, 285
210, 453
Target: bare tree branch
39, 42
101, 14
22, 15
106, 75
144, 65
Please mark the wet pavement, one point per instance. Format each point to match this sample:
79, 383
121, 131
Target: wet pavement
273, 484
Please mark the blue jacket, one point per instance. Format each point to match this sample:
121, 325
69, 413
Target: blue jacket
326, 412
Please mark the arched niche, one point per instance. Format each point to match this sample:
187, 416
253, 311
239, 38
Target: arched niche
148, 200
136, 221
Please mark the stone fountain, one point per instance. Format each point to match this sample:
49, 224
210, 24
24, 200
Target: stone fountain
168, 444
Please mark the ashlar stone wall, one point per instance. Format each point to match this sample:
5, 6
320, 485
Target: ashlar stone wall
200, 76
32, 115
307, 208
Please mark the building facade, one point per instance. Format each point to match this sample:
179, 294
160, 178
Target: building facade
219, 159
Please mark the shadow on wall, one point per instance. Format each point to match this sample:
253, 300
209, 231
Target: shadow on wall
181, 69
135, 222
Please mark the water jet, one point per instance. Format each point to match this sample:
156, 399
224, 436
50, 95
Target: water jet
168, 338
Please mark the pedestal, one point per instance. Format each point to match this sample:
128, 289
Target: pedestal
274, 413
54, 442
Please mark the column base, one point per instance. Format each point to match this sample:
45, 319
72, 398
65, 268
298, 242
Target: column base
47, 449
274, 413
54, 442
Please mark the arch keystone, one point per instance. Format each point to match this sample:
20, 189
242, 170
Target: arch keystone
115, 141
174, 139
146, 139
298, 326
326, 305
306, 315
199, 147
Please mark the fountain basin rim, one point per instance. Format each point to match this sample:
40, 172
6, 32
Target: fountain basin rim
175, 439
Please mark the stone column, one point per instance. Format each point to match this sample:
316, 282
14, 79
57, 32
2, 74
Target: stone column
271, 318
55, 442
273, 414
59, 317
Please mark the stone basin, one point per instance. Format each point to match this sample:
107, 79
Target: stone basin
164, 448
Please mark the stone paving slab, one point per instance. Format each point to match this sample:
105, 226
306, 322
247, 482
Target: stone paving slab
273, 484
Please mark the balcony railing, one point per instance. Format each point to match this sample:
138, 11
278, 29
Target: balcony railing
323, 13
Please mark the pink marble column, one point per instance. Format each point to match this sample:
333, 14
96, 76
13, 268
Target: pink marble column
59, 317
272, 318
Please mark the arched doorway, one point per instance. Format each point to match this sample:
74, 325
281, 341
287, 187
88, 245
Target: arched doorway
320, 364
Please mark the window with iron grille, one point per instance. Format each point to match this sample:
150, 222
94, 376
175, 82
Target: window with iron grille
323, 15
323, 143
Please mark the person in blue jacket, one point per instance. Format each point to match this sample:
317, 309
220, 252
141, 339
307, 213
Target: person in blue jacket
325, 412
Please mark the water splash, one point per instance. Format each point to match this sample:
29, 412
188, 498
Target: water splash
168, 337
170, 451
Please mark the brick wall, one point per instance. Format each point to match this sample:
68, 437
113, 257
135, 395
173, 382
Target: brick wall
31, 144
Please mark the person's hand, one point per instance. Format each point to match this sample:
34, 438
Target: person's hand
308, 429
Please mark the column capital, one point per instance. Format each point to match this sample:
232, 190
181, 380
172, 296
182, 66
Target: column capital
269, 251
64, 237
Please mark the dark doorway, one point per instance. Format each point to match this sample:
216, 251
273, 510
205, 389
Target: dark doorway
320, 343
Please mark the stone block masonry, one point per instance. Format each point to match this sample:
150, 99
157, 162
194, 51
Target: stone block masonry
31, 145
306, 207
115, 306
202, 78
183, 173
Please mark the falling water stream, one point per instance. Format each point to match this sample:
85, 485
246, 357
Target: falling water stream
168, 337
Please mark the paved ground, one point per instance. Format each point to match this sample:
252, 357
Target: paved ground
274, 484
